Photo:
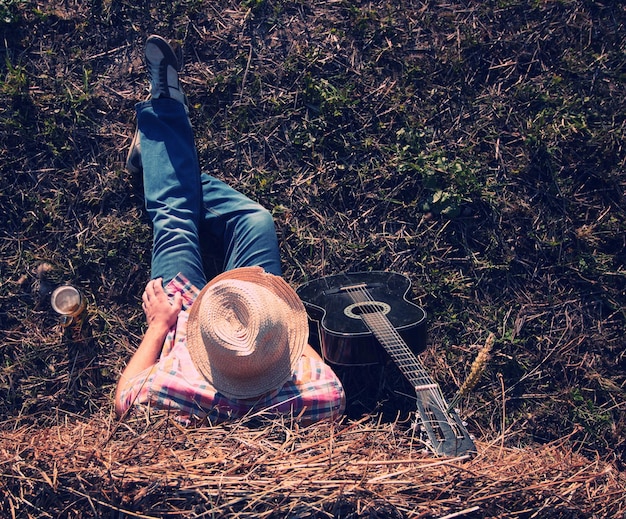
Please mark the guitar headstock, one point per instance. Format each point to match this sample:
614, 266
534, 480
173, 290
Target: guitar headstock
445, 433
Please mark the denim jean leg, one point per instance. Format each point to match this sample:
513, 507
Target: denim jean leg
244, 229
172, 189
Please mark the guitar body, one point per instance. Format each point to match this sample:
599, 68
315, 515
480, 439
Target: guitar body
359, 312
344, 338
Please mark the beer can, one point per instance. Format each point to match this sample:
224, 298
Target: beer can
69, 303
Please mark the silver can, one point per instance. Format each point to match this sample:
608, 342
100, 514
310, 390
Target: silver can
69, 303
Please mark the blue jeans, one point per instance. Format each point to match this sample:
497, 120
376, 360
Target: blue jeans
186, 205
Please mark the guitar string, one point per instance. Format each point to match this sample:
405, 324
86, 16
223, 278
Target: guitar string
407, 360
403, 353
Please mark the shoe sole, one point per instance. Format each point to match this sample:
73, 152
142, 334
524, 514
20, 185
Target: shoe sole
133, 159
169, 56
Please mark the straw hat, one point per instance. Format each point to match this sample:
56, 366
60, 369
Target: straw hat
246, 331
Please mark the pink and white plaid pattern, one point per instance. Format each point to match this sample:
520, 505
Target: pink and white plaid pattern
313, 393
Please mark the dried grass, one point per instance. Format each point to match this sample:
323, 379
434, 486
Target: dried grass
151, 467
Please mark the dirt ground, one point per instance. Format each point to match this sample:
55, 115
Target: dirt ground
475, 147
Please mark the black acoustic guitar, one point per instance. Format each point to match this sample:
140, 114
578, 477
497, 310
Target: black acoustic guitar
354, 309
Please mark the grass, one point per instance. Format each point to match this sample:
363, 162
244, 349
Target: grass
476, 147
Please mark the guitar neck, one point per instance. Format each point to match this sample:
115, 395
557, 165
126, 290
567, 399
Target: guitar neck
446, 433
400, 353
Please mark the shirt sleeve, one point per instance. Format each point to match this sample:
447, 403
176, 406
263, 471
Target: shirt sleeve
137, 389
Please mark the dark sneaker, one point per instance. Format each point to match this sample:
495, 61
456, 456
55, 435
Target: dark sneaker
163, 68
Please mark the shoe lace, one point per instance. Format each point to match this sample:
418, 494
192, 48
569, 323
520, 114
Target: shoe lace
157, 73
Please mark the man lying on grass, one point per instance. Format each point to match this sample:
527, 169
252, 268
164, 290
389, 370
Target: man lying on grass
236, 345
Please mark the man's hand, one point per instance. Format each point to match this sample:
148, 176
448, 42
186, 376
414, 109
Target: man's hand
157, 306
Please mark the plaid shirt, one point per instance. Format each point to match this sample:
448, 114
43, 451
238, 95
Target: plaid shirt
312, 393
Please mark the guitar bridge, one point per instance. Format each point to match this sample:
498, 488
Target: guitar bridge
434, 425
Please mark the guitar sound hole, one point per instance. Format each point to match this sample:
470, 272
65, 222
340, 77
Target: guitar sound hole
356, 310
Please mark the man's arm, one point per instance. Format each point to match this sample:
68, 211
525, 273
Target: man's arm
161, 316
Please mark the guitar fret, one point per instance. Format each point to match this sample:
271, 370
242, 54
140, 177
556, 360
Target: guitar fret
425, 387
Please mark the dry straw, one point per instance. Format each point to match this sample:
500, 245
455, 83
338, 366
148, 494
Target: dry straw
151, 467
